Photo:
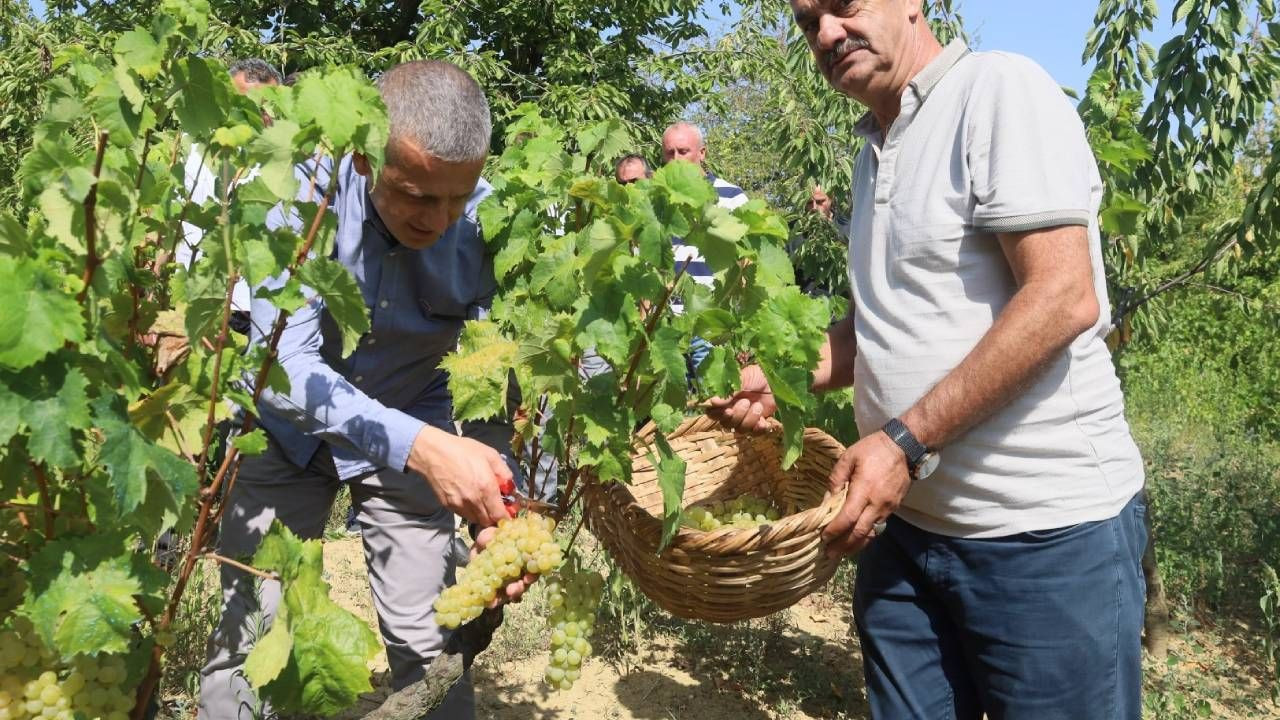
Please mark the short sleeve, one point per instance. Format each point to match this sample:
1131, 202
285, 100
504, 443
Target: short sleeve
1029, 159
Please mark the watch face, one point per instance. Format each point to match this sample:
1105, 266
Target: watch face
927, 465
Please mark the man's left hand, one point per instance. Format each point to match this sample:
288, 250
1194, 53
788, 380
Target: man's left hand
875, 471
513, 591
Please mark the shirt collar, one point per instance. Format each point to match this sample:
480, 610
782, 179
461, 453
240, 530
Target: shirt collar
374, 220
922, 84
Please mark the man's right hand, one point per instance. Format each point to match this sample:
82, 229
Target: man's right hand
750, 409
464, 473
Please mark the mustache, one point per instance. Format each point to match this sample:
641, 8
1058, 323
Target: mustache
844, 47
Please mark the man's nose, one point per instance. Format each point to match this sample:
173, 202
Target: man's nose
830, 32
435, 218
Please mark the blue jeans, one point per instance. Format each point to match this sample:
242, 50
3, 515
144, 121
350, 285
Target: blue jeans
1039, 625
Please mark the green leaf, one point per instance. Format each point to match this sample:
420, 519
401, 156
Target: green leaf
479, 370
252, 443
39, 315
270, 655
719, 372
202, 96
288, 297
82, 596
273, 150
342, 298
671, 471
685, 184
346, 108
138, 469
54, 405
314, 659
55, 161
13, 236
138, 50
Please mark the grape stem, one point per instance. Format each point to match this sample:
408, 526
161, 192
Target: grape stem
210, 555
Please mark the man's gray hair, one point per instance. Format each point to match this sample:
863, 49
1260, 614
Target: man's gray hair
255, 70
439, 108
682, 125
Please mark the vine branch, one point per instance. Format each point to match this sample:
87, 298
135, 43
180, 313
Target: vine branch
210, 555
92, 261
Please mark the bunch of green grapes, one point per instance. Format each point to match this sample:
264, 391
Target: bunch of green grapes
574, 594
521, 545
34, 686
743, 512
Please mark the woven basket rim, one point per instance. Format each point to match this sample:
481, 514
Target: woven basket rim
726, 540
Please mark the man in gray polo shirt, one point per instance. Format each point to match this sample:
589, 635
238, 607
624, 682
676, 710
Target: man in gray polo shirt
996, 491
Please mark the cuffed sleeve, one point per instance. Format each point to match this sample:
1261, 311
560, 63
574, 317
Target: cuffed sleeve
1029, 158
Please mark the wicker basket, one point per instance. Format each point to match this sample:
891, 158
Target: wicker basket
728, 574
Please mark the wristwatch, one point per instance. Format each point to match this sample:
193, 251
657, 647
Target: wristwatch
921, 461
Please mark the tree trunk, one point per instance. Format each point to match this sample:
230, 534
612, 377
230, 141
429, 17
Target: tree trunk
1155, 625
424, 696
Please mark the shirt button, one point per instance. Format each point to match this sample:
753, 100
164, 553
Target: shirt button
359, 378
371, 340
384, 303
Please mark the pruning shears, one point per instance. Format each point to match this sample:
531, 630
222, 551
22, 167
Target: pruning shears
515, 501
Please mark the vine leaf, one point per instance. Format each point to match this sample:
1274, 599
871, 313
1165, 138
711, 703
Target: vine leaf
82, 596
671, 471
56, 406
478, 371
342, 298
314, 659
141, 471
685, 184
39, 315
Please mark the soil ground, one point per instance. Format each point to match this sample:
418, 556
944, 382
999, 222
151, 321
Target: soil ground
801, 664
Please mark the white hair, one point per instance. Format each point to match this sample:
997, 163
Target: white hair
439, 108
682, 125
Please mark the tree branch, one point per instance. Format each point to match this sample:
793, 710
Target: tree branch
92, 261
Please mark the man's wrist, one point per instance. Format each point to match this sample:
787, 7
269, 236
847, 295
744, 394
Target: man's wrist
921, 460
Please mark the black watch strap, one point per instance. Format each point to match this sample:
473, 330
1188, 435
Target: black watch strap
911, 447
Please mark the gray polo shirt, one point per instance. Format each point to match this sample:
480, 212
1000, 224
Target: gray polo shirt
985, 143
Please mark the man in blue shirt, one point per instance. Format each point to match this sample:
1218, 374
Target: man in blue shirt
379, 419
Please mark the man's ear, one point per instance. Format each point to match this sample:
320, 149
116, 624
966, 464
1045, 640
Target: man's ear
361, 164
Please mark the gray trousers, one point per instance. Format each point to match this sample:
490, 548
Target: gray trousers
407, 536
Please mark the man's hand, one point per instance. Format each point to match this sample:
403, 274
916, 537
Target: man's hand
465, 474
750, 409
514, 591
875, 471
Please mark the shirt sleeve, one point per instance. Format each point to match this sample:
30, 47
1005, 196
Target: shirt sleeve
1029, 159
321, 401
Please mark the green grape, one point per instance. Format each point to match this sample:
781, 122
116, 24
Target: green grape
745, 512
574, 596
520, 545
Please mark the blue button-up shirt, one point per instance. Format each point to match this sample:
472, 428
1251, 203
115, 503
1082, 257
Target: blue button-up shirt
370, 405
